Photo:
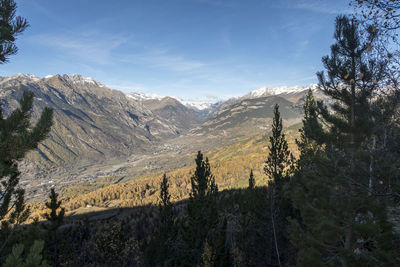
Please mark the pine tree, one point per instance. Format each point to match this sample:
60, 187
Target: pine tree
33, 258
10, 27
277, 162
165, 206
252, 181
279, 156
55, 219
341, 223
17, 136
160, 250
310, 131
202, 217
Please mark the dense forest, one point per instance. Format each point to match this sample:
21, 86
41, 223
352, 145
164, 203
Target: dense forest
330, 200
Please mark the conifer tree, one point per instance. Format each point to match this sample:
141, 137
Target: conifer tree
277, 162
165, 206
311, 131
341, 223
17, 135
160, 250
55, 219
202, 211
252, 181
10, 27
56, 215
279, 156
33, 258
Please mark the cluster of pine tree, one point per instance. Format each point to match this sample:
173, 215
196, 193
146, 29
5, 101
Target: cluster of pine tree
335, 205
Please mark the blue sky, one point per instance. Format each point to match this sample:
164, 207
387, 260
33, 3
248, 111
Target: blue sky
193, 49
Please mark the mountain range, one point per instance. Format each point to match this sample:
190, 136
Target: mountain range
101, 132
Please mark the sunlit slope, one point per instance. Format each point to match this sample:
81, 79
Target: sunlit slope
231, 166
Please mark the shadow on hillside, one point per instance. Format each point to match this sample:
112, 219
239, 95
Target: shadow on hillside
226, 201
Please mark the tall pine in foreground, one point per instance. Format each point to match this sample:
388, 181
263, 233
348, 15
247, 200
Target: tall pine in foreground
17, 134
341, 222
202, 214
275, 168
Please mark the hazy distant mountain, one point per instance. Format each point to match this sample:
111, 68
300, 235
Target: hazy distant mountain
284, 90
176, 113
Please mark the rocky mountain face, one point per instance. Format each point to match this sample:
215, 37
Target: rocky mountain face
251, 115
91, 121
185, 117
99, 132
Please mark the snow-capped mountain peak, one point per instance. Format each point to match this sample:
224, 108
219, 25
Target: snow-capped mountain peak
82, 80
266, 91
194, 104
73, 78
144, 96
23, 77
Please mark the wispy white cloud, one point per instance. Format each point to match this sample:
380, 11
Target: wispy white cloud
93, 47
164, 59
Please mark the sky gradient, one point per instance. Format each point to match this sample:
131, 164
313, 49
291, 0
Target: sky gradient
193, 49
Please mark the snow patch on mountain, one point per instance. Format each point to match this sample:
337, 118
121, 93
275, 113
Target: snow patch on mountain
266, 91
194, 104
143, 96
79, 79
22, 77
73, 78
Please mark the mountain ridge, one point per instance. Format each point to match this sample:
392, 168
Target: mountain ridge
100, 132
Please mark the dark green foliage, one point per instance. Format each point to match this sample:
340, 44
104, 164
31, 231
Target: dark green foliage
342, 221
252, 181
10, 27
203, 182
310, 132
16, 134
276, 169
114, 247
55, 219
202, 213
279, 156
165, 206
17, 137
32, 258
161, 248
